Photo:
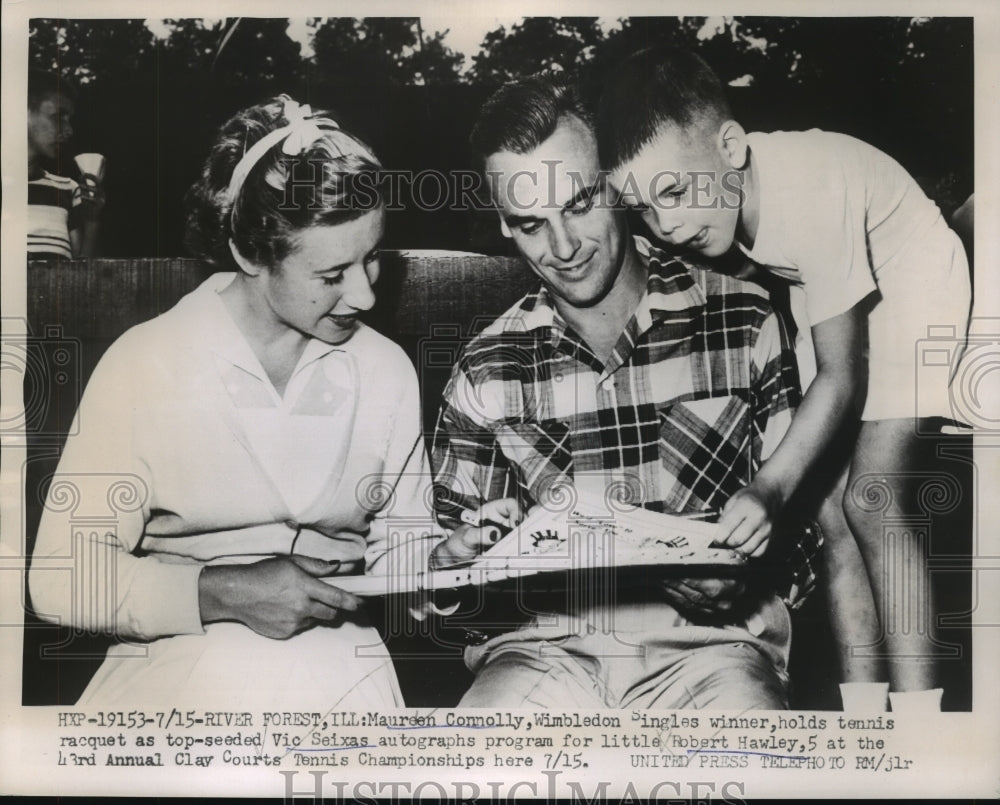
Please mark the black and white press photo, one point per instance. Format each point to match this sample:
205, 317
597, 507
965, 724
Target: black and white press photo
498, 403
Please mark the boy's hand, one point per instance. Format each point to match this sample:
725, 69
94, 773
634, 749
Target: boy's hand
92, 195
747, 520
468, 541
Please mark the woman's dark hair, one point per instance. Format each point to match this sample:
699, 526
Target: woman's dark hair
334, 178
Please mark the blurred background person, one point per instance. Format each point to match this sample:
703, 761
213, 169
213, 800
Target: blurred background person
63, 214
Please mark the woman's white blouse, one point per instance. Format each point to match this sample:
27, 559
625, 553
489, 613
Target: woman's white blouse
182, 453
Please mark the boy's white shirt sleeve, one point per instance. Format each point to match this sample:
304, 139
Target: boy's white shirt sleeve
813, 219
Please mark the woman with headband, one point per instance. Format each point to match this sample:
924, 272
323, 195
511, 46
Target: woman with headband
249, 443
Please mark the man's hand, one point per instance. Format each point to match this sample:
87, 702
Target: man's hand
747, 521
468, 541
703, 596
275, 597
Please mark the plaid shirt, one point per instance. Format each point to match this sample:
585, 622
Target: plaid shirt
697, 392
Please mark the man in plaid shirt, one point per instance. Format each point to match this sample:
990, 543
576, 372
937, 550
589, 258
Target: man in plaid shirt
627, 372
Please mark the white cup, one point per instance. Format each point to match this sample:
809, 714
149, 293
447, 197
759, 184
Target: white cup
93, 164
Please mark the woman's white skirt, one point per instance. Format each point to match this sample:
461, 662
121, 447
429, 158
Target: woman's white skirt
231, 667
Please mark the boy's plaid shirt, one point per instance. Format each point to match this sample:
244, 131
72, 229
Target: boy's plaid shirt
698, 391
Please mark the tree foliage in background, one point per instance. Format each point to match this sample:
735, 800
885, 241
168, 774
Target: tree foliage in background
762, 51
819, 53
235, 51
152, 103
537, 44
257, 51
382, 50
89, 52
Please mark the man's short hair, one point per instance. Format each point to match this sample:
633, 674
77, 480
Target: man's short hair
43, 85
521, 116
652, 88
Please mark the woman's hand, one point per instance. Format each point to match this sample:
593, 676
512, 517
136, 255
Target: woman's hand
468, 541
275, 597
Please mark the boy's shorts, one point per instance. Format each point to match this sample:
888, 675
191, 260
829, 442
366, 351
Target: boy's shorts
916, 332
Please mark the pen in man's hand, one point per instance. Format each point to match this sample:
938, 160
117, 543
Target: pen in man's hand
474, 519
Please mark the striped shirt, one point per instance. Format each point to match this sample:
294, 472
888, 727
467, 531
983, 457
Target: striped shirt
698, 391
53, 212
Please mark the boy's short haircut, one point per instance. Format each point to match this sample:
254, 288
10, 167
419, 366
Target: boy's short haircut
655, 87
43, 85
521, 116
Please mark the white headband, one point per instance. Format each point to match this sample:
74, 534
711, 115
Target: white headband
301, 131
